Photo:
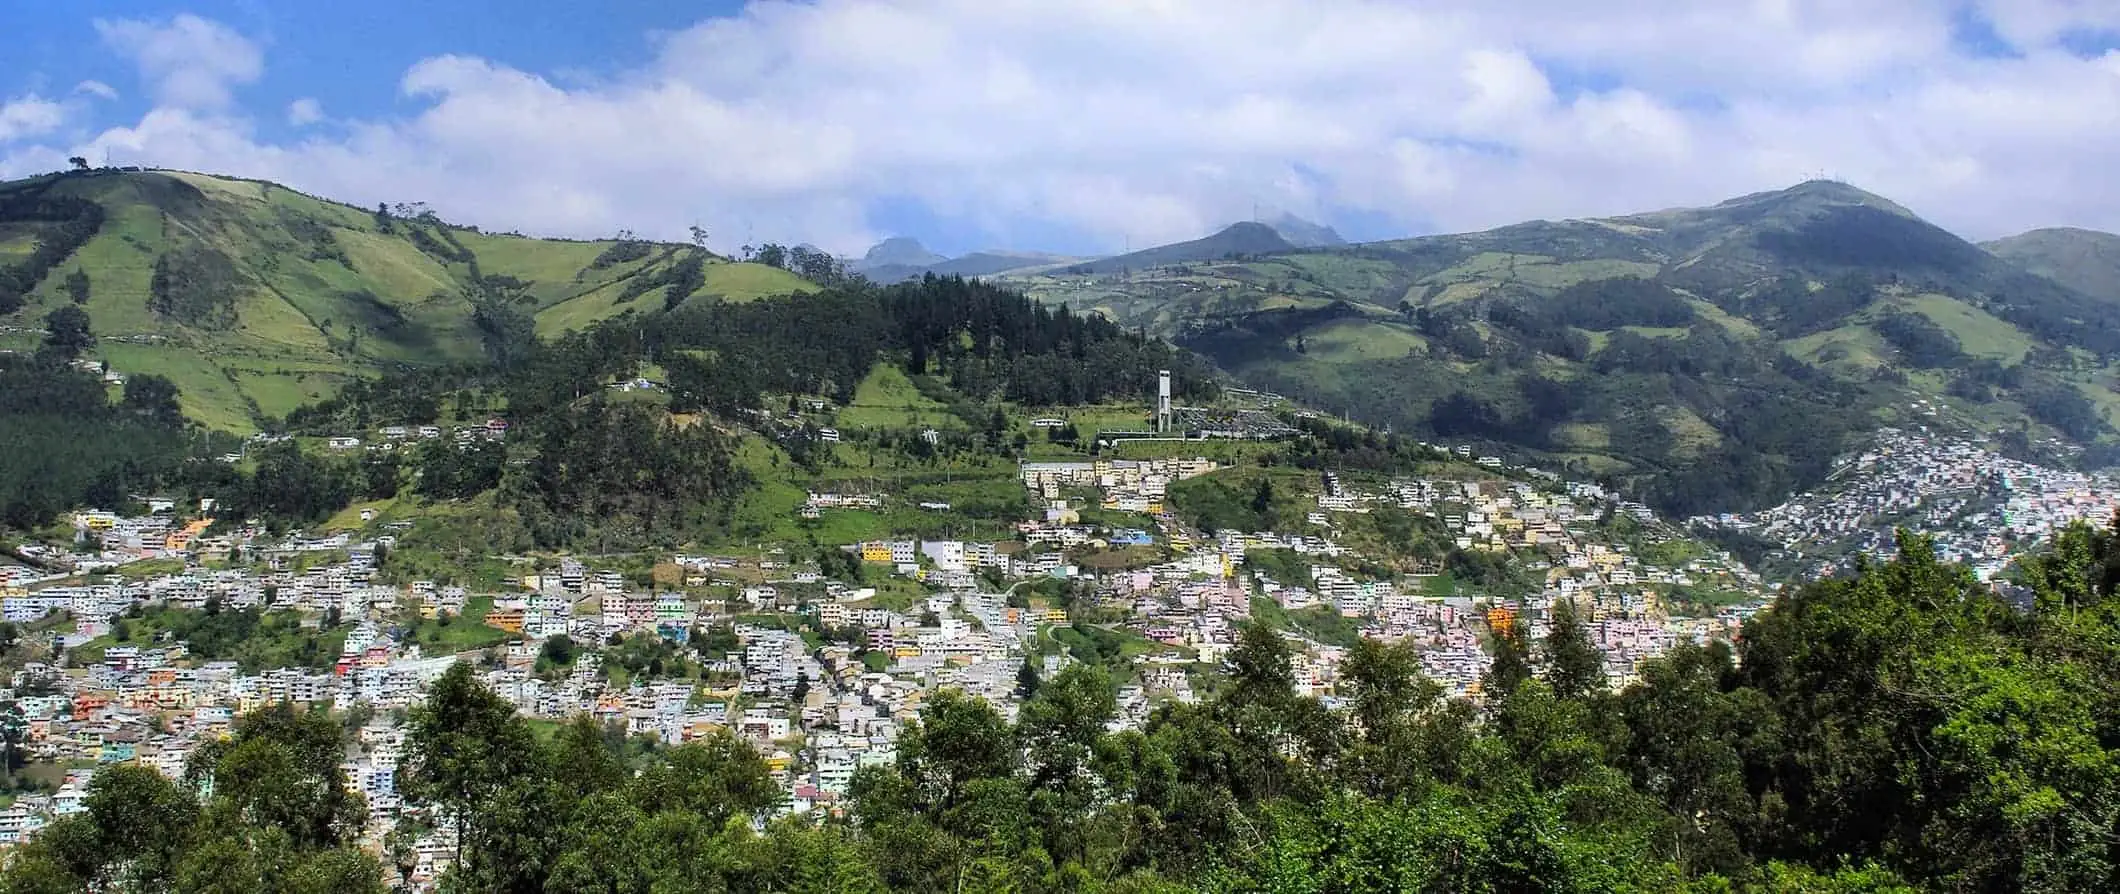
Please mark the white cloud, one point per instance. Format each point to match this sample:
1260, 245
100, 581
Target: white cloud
305, 111
97, 89
187, 62
1159, 121
29, 116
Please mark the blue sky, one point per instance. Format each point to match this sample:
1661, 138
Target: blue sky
350, 55
1082, 126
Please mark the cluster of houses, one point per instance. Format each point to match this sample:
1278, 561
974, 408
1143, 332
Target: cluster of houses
389, 437
1980, 507
1195, 600
819, 675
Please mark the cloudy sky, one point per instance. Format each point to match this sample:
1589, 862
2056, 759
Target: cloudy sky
1083, 125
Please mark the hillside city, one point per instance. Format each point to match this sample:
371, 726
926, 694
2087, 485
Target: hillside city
820, 669
1982, 508
817, 664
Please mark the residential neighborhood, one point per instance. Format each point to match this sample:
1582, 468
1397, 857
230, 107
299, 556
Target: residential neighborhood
819, 672
1982, 508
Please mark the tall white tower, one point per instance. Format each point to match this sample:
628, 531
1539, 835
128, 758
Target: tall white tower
1162, 401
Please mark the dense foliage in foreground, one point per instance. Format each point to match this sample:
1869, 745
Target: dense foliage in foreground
1899, 729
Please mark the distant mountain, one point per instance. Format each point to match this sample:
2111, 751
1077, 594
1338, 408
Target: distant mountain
976, 264
1236, 240
898, 251
1711, 359
988, 263
1304, 234
2085, 260
254, 298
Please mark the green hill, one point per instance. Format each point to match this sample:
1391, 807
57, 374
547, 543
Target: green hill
1711, 357
1236, 240
2085, 260
255, 299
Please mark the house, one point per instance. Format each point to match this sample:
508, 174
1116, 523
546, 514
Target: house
342, 443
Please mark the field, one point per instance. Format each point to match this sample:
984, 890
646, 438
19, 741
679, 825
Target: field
1980, 333
888, 399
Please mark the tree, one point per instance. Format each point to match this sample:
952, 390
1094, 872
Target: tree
1061, 724
153, 397
66, 332
960, 739
1026, 676
1262, 499
281, 769
79, 163
464, 747
140, 821
718, 778
1510, 668
1260, 670
1575, 667
77, 286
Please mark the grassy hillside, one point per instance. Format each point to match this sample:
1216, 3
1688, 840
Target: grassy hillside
1709, 356
268, 298
2085, 260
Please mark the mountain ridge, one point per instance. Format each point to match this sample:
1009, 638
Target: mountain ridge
1745, 339
2082, 259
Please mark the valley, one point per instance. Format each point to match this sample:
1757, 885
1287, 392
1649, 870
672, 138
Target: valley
1494, 519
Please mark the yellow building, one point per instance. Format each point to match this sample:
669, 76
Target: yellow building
509, 619
1501, 620
876, 552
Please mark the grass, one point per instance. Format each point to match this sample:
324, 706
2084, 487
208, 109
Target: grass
725, 281
1113, 648
147, 568
1319, 622
204, 390
1348, 341
1979, 333
255, 640
467, 633
887, 398
743, 281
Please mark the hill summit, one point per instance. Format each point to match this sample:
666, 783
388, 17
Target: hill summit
254, 298
898, 251
2085, 260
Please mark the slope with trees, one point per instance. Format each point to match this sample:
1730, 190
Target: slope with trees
1710, 359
